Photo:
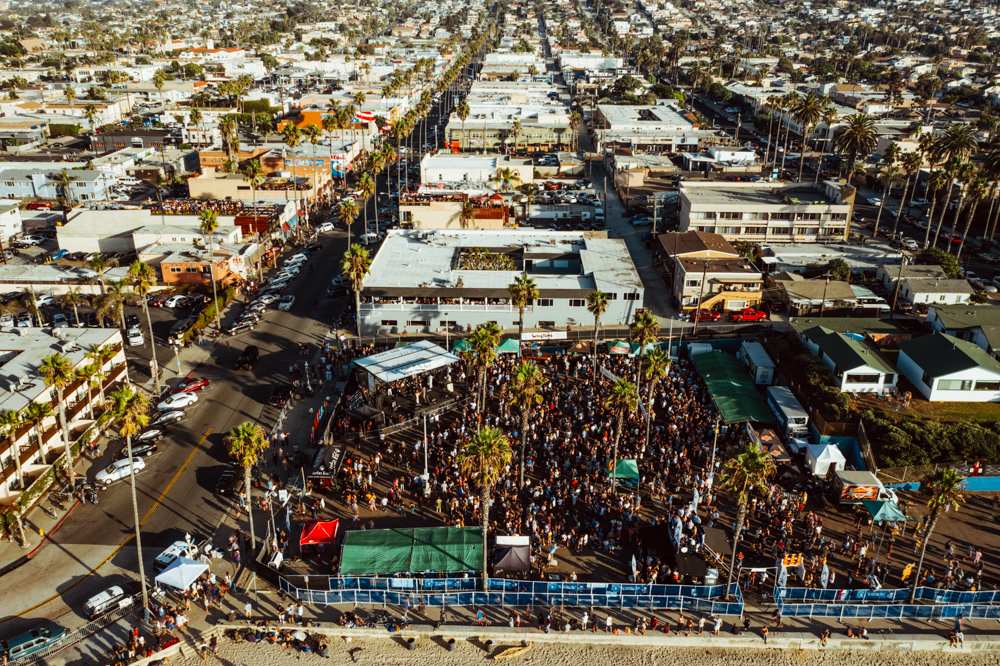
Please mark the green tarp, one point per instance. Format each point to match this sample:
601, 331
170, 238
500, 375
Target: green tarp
412, 550
884, 512
506, 346
627, 469
731, 388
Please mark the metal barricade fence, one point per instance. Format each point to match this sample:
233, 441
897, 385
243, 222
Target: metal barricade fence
857, 604
328, 590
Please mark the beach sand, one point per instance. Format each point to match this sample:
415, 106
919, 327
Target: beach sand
388, 652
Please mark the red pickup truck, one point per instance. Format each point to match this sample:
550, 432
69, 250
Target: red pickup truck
748, 314
705, 315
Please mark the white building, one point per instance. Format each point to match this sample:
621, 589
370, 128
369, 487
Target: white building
470, 169
28, 183
918, 291
10, 220
945, 368
855, 366
766, 212
453, 280
661, 127
37, 448
134, 229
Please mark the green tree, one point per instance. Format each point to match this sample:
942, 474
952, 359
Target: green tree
483, 460
944, 494
142, 278
857, 138
129, 415
209, 223
481, 355
523, 292
10, 422
526, 394
245, 443
57, 372
597, 305
838, 269
643, 330
74, 299
355, 266
657, 369
948, 262
347, 211
623, 399
747, 472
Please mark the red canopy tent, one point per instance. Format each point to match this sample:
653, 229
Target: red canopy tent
321, 531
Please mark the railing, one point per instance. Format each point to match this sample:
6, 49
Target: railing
327, 590
434, 307
942, 604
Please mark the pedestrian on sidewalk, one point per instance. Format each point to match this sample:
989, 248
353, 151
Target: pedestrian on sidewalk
248, 610
763, 633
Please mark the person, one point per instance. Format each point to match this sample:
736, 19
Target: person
584, 620
763, 633
717, 626
247, 610
480, 617
824, 636
609, 624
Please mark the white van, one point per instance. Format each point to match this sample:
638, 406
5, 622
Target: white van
111, 599
135, 337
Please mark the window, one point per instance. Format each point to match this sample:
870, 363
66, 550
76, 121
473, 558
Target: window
543, 302
779, 231
547, 324
612, 296
890, 378
861, 379
388, 322
631, 296
416, 322
692, 283
175, 269
577, 303
988, 386
954, 385
730, 215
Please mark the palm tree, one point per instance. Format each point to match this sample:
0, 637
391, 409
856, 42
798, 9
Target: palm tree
523, 292
482, 353
746, 472
30, 301
367, 186
209, 224
355, 266
808, 113
57, 372
10, 422
99, 357
977, 190
347, 211
643, 330
657, 368
944, 490
483, 459
597, 304
35, 415
99, 263
856, 139
253, 173
462, 111
129, 414
112, 305
911, 163
575, 122
889, 174
515, 131
142, 277
87, 375
507, 178
74, 299
937, 181
467, 213
526, 393
245, 444
623, 399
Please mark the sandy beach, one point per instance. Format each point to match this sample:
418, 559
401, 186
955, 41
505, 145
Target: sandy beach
388, 652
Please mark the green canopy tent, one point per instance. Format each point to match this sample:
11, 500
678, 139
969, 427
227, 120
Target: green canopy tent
412, 550
731, 388
883, 511
461, 345
506, 346
627, 472
619, 347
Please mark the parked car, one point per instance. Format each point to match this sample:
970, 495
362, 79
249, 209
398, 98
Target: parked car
286, 302
135, 337
177, 401
6, 321
267, 299
59, 320
28, 241
118, 470
748, 314
45, 300
59, 254
874, 201
228, 483
149, 435
143, 449
175, 301
166, 418
192, 385
705, 315
324, 228
24, 320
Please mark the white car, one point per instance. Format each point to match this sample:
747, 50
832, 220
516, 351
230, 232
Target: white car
177, 401
118, 470
298, 256
326, 227
874, 201
86, 273
28, 241
286, 302
46, 299
135, 337
267, 299
166, 418
175, 301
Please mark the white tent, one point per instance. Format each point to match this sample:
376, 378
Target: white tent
181, 573
820, 457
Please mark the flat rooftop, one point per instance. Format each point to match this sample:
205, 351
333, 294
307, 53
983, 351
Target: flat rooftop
732, 194
421, 261
658, 114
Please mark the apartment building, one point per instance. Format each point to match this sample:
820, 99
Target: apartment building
34, 447
766, 212
658, 128
454, 280
707, 272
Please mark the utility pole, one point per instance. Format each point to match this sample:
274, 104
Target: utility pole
701, 292
715, 442
427, 476
822, 304
739, 123
899, 280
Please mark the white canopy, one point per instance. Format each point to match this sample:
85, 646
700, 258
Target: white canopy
406, 361
819, 458
181, 573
